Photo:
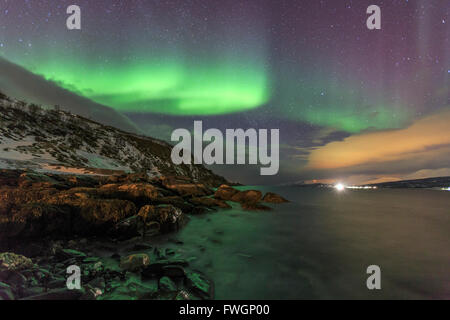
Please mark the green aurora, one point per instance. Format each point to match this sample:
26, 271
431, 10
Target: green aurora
168, 87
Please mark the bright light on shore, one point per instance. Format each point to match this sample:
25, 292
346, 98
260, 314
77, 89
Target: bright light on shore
339, 187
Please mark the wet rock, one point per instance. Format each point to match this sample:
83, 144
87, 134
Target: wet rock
271, 197
159, 253
157, 268
142, 246
32, 291
57, 282
166, 284
183, 186
134, 262
91, 293
136, 192
184, 295
58, 294
6, 292
14, 262
225, 192
128, 228
249, 206
173, 271
210, 202
247, 196
180, 203
66, 254
13, 278
115, 256
169, 252
168, 217
200, 285
62, 214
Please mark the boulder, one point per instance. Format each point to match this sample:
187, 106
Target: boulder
166, 284
157, 268
6, 292
254, 206
173, 271
14, 262
128, 228
210, 202
134, 262
58, 294
168, 217
143, 192
247, 196
199, 285
185, 187
225, 192
65, 254
271, 197
180, 203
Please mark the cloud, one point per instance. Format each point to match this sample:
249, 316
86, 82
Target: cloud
19, 83
423, 145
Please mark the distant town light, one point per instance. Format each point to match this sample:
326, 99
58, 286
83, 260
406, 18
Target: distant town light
339, 187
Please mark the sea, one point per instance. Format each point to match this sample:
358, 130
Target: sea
320, 245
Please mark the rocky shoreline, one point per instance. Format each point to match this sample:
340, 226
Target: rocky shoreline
108, 226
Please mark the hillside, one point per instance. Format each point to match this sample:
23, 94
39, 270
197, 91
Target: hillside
436, 182
57, 141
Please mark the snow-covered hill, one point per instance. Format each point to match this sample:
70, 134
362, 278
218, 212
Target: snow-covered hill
54, 140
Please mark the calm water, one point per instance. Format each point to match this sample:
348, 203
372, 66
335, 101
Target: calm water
320, 245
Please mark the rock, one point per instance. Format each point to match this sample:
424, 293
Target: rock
200, 285
168, 217
128, 228
32, 291
185, 187
157, 268
65, 254
247, 196
169, 252
142, 246
166, 284
252, 206
173, 271
225, 192
271, 197
91, 293
180, 203
6, 292
14, 262
58, 294
134, 262
14, 278
184, 295
56, 283
210, 202
61, 214
136, 192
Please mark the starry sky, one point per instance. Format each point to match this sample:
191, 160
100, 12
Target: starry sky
352, 104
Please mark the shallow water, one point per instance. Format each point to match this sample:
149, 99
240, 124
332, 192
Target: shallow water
320, 245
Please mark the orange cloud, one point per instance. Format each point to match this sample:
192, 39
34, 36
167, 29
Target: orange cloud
427, 138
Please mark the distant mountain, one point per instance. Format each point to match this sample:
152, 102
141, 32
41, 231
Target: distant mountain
437, 182
57, 141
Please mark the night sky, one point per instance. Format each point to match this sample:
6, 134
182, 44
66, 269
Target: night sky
351, 104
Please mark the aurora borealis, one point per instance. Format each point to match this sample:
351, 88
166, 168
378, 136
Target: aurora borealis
338, 92
134, 63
